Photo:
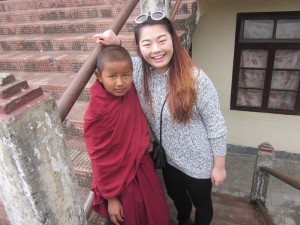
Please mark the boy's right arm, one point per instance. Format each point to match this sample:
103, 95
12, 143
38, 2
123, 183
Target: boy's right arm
115, 211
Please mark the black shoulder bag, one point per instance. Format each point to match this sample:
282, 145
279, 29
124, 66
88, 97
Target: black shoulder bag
158, 154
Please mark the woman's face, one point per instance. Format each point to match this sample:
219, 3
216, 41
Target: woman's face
156, 46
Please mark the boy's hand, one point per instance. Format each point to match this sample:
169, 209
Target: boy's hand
115, 211
107, 38
150, 147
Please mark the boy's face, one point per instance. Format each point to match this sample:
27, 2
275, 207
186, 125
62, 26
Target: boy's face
116, 77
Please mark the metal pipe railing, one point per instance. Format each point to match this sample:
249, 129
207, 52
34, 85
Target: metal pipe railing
283, 177
176, 7
69, 97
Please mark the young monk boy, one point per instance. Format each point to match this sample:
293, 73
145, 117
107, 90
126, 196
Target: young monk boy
125, 185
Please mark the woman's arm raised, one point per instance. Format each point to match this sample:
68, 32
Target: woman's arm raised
108, 38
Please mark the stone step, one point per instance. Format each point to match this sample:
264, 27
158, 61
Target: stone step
12, 5
57, 42
53, 83
20, 99
6, 78
12, 88
80, 160
186, 6
16, 94
103, 10
67, 13
46, 61
73, 124
90, 25
230, 209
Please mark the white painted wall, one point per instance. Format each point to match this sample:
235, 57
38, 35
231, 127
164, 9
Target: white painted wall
213, 49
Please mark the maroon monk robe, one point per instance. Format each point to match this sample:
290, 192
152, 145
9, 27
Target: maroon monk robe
116, 136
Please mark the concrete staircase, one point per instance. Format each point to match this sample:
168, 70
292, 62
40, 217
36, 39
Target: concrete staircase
46, 42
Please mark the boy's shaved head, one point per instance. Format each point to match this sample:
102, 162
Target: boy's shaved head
112, 53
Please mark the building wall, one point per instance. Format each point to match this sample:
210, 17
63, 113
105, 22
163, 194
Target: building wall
213, 49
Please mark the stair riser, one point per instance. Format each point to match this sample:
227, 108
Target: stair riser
13, 88
38, 4
56, 45
20, 100
72, 128
56, 92
63, 14
84, 179
6, 78
41, 65
187, 7
60, 28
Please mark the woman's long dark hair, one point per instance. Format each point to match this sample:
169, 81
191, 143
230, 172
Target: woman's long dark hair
182, 92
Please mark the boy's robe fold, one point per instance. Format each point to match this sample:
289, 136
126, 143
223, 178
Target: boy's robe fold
116, 136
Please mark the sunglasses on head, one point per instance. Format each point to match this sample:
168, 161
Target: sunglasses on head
154, 16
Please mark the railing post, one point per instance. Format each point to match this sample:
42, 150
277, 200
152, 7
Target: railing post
265, 157
37, 183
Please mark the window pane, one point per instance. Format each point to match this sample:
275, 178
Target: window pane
286, 80
282, 100
249, 97
258, 29
288, 29
254, 58
252, 78
287, 59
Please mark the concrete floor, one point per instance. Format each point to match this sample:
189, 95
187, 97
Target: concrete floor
282, 202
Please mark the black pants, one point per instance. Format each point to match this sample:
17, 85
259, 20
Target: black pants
185, 191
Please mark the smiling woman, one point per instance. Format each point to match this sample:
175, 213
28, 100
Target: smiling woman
156, 46
194, 131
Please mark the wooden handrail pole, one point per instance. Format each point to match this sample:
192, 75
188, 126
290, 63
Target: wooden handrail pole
69, 97
283, 177
176, 7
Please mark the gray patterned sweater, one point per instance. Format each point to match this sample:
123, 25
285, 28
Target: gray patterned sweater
190, 148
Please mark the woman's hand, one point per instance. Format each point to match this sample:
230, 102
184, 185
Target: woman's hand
218, 174
107, 38
115, 211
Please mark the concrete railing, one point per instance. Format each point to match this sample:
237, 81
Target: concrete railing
263, 170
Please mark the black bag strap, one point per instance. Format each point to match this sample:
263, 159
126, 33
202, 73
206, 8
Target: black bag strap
160, 121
